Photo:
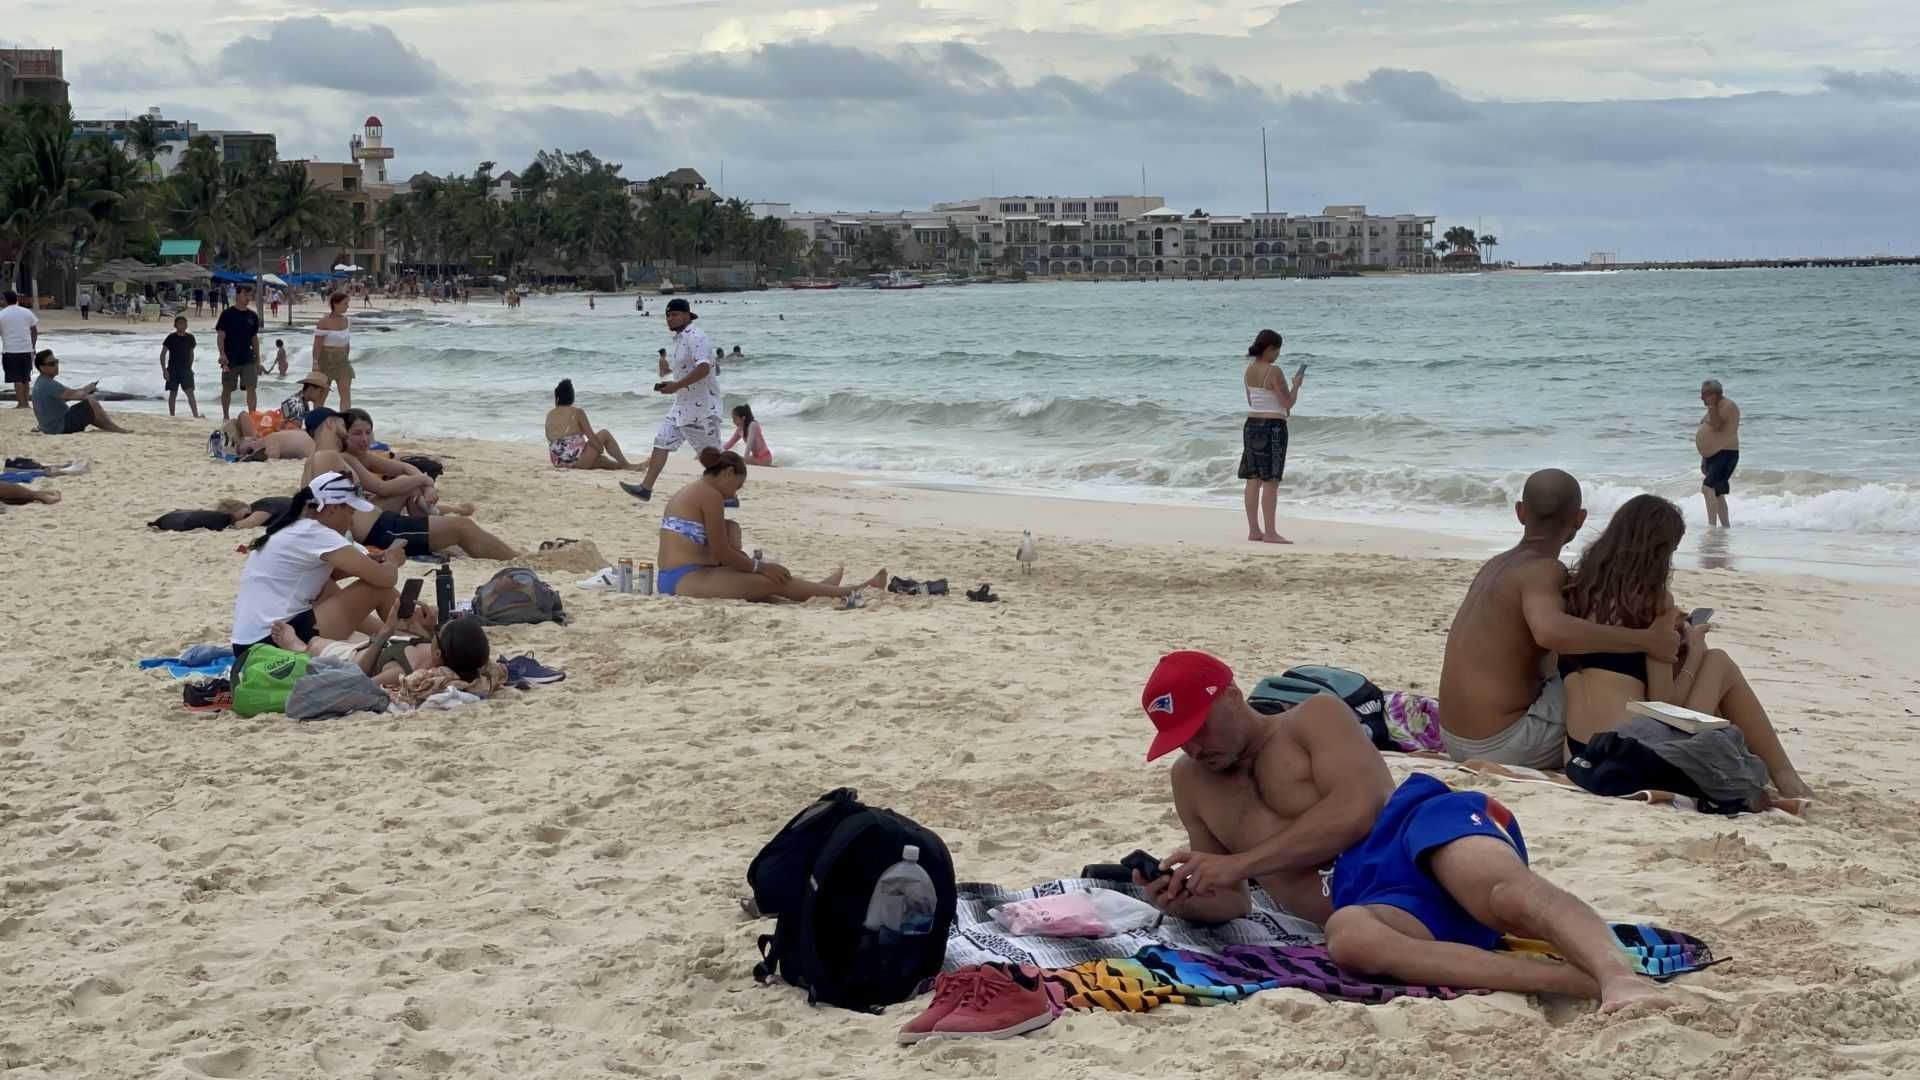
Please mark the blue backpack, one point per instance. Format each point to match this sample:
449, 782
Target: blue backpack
1278, 693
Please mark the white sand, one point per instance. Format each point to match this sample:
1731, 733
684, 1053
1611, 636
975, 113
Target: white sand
544, 885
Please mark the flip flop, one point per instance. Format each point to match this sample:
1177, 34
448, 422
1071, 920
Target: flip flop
983, 594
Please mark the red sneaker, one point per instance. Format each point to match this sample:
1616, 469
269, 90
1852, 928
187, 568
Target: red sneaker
949, 990
1003, 1002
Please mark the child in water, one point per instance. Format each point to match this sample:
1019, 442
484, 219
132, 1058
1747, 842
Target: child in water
745, 427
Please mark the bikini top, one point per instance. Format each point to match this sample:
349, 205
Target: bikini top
1632, 665
692, 530
337, 337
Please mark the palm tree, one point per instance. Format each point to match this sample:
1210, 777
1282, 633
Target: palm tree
1489, 241
1463, 239
296, 213
147, 141
44, 197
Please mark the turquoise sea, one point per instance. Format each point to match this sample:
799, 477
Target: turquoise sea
1428, 399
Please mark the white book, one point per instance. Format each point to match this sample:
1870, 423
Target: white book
1677, 717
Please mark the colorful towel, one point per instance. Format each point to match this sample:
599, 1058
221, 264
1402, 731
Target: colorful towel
977, 939
22, 476
1413, 722
1160, 976
1654, 951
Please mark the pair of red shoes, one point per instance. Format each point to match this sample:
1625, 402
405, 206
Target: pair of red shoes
990, 1001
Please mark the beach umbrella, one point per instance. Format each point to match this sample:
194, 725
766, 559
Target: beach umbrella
347, 268
274, 280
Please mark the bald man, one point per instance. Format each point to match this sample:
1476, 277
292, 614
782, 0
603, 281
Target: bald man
1500, 698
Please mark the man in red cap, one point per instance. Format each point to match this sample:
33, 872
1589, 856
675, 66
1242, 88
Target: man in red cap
1415, 883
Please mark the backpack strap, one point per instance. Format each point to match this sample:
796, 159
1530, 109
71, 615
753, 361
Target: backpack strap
769, 946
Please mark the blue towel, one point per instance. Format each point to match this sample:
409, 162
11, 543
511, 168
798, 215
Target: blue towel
211, 661
23, 476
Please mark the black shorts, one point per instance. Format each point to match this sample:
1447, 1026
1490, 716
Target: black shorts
1263, 454
179, 377
390, 527
303, 625
79, 416
18, 365
1716, 472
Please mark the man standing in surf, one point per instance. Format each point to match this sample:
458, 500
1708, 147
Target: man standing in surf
694, 419
1718, 440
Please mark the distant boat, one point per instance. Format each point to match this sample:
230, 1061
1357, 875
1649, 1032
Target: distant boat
809, 283
666, 288
898, 279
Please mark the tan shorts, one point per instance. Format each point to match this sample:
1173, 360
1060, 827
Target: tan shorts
333, 363
1537, 740
235, 378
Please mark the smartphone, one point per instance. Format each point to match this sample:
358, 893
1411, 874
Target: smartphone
1700, 615
1147, 865
1300, 371
409, 596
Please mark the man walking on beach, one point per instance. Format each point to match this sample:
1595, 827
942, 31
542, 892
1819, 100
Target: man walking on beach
238, 335
1417, 883
1718, 440
19, 337
694, 419
176, 366
1503, 702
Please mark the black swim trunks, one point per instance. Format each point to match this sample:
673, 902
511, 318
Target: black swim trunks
303, 625
1717, 471
391, 526
1263, 453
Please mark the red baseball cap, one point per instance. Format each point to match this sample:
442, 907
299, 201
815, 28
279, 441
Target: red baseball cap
1179, 695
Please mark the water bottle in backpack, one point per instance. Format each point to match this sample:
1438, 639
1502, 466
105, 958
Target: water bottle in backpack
904, 898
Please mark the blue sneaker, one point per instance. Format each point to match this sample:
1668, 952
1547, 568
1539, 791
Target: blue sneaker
644, 494
525, 670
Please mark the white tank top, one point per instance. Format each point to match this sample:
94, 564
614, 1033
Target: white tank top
1261, 399
337, 339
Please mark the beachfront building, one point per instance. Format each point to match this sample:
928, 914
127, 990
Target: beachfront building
365, 244
506, 188
33, 75
174, 135
370, 151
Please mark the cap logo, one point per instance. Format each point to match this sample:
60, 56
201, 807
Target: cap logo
1212, 690
1163, 703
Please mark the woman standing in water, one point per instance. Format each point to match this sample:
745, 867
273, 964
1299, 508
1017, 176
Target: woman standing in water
333, 346
1263, 454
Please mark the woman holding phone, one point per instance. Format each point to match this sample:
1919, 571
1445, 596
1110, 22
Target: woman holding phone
1622, 580
1263, 454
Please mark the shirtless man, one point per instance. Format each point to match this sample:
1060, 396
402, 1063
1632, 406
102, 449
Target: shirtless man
1718, 440
384, 528
1415, 884
1502, 699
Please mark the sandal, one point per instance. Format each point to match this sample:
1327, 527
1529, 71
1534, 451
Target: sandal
983, 594
556, 545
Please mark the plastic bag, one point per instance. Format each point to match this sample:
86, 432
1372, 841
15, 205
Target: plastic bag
1101, 913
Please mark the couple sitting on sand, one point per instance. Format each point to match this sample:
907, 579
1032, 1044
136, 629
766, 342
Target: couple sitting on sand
1618, 634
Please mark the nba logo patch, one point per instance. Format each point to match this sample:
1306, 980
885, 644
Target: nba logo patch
1163, 704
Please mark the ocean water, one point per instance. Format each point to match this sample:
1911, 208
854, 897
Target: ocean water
1427, 401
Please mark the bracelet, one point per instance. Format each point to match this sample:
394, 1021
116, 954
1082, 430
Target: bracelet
1687, 673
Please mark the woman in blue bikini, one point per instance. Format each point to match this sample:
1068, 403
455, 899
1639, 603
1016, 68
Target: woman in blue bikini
700, 552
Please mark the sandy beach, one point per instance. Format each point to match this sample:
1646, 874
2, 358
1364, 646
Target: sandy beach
544, 885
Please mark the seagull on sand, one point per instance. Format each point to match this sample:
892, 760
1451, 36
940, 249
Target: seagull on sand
1027, 554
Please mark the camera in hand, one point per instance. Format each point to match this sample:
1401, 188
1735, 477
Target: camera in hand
1122, 871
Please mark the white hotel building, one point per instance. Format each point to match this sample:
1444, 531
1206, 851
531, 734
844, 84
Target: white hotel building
1130, 235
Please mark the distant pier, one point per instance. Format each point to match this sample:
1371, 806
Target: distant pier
1836, 263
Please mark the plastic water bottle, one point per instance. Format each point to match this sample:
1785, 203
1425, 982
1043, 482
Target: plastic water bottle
904, 897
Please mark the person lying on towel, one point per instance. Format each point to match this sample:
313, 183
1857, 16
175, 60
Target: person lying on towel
1416, 883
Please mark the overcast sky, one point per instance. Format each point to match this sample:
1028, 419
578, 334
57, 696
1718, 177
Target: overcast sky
1655, 128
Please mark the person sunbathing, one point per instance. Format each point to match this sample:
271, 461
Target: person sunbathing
421, 535
389, 656
700, 556
291, 445
1416, 883
1622, 580
571, 441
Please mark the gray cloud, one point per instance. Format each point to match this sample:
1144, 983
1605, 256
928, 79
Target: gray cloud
1882, 85
1412, 95
316, 51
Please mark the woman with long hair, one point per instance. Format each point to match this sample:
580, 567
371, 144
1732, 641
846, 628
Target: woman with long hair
700, 552
747, 429
571, 441
293, 568
1622, 579
333, 347
1263, 454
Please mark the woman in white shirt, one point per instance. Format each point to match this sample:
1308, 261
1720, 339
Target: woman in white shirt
292, 574
1263, 455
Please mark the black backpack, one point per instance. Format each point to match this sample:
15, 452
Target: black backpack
1278, 693
838, 865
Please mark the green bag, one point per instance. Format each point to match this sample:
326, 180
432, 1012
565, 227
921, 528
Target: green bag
266, 678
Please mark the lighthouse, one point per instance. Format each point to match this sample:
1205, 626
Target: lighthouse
372, 155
